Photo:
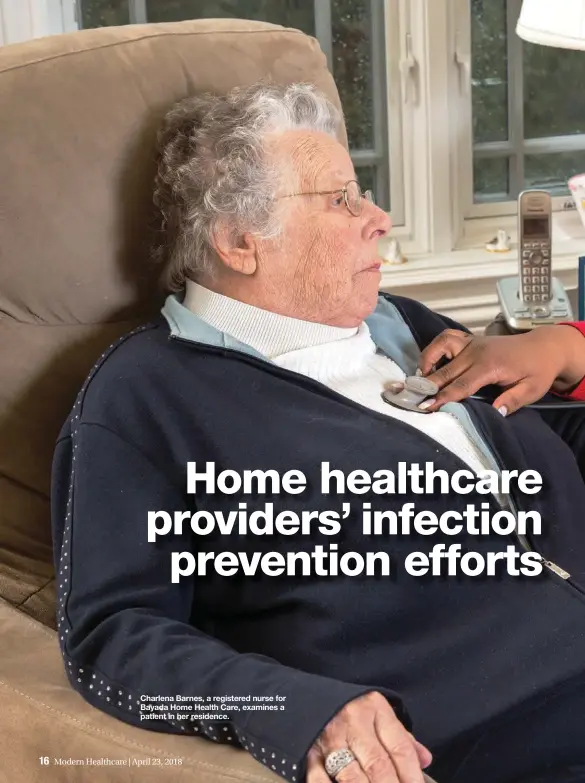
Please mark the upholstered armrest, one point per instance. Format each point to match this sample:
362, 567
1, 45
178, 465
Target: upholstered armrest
42, 716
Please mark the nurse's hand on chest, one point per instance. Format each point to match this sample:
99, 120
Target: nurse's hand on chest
527, 366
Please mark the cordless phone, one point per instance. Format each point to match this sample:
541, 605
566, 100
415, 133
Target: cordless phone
535, 246
534, 297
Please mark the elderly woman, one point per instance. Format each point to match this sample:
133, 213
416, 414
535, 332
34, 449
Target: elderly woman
276, 351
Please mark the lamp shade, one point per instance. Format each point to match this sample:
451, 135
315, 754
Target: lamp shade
553, 23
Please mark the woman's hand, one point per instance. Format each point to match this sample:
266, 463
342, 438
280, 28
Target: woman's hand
385, 752
526, 365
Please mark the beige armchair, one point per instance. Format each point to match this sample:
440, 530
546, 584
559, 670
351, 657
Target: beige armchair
77, 139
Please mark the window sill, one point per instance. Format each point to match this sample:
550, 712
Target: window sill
462, 284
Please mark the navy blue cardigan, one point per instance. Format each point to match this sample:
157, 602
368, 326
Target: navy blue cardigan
449, 654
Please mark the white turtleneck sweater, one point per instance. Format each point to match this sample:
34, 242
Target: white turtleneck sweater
345, 360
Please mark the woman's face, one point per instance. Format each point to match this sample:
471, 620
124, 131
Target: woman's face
325, 265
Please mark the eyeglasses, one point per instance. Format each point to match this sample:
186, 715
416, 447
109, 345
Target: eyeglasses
352, 195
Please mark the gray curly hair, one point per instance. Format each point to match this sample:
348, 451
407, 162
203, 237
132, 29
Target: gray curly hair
213, 168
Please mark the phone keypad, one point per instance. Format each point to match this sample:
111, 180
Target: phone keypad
535, 272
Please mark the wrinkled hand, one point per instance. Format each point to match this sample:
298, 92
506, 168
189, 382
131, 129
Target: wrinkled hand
385, 751
526, 365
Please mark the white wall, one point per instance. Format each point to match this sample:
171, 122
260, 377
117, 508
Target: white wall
24, 19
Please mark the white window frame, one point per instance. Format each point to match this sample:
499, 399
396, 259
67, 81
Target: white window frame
399, 102
448, 267
476, 223
426, 128
407, 114
21, 20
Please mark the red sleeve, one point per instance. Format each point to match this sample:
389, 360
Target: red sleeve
579, 392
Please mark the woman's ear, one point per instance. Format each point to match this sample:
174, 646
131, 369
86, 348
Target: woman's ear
239, 255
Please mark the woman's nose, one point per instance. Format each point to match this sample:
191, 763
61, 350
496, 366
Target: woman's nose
379, 222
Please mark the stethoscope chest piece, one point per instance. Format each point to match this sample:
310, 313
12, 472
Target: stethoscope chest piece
414, 391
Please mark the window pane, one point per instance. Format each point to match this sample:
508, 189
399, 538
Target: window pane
551, 172
489, 76
103, 13
490, 177
352, 68
291, 13
367, 178
552, 86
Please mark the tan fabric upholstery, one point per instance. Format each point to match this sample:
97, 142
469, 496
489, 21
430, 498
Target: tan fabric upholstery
42, 715
77, 150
